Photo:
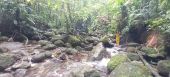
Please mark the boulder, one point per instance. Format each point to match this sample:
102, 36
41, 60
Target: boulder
92, 39
68, 45
92, 73
49, 47
41, 57
116, 60
6, 75
20, 72
6, 60
3, 50
49, 34
164, 67
133, 56
4, 38
83, 70
131, 49
88, 47
74, 40
44, 42
96, 51
70, 51
21, 65
56, 37
103, 54
59, 43
131, 69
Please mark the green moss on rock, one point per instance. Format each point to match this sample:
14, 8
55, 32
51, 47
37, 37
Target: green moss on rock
116, 60
132, 69
164, 67
74, 40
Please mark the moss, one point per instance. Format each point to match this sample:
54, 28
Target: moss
149, 51
74, 40
104, 39
164, 67
132, 69
44, 42
116, 60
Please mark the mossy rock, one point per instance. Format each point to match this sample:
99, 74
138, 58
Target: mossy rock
131, 69
131, 49
4, 38
104, 39
56, 38
59, 43
164, 67
74, 40
6, 60
133, 56
116, 60
70, 51
149, 51
44, 42
49, 47
92, 73
49, 34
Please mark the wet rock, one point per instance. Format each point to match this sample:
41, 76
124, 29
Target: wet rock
20, 72
92, 73
4, 38
133, 56
3, 50
59, 43
164, 67
101, 55
70, 51
96, 51
133, 69
83, 70
116, 60
44, 42
6, 61
41, 57
6, 75
49, 47
21, 65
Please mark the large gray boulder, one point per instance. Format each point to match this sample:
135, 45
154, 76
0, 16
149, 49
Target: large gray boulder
41, 57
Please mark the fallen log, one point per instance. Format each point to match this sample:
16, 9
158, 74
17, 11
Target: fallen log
152, 70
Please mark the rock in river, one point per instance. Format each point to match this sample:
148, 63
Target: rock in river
6, 60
